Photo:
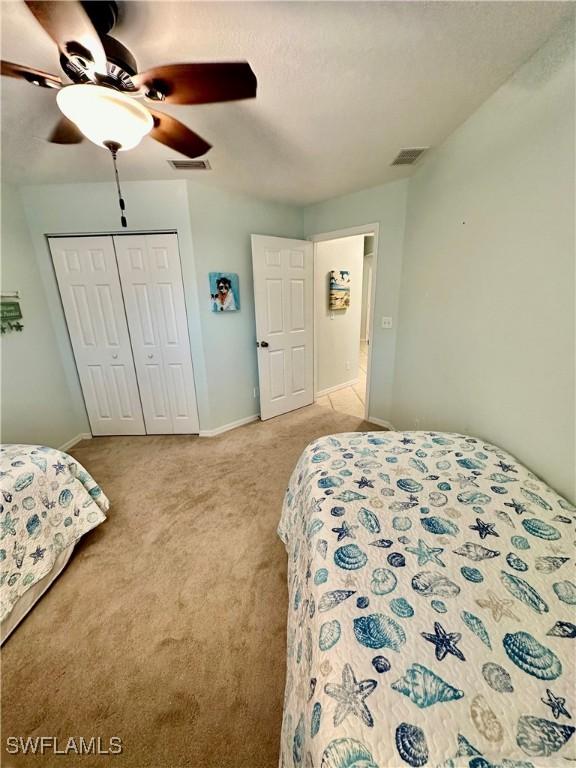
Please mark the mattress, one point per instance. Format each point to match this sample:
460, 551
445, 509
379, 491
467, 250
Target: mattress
48, 502
431, 607
31, 596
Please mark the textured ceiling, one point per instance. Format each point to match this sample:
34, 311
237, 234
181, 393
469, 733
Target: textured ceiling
342, 87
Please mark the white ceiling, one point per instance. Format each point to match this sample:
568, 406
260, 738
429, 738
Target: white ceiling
342, 86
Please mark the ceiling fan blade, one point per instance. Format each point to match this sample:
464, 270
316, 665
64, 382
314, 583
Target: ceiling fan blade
35, 76
174, 134
66, 132
200, 83
69, 26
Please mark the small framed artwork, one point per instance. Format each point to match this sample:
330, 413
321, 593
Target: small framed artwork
224, 292
10, 312
339, 296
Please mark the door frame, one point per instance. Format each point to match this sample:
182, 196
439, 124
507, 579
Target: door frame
362, 229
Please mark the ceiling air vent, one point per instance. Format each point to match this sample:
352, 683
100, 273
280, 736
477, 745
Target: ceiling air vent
409, 156
190, 165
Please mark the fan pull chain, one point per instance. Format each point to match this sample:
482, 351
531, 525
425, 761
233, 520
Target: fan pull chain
114, 147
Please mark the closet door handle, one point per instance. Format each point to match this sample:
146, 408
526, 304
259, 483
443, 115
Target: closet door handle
150, 357
115, 356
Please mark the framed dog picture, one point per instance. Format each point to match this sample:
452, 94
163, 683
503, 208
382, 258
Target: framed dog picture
224, 292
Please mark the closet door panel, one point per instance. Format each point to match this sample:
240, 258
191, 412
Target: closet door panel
89, 285
141, 311
151, 277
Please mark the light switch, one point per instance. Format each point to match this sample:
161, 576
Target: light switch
386, 322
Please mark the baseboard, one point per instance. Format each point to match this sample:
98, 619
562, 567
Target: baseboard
381, 423
77, 439
329, 390
228, 427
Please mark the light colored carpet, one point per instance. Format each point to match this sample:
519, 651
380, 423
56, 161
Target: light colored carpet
167, 628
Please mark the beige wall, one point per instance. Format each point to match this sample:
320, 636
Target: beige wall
337, 333
366, 287
486, 334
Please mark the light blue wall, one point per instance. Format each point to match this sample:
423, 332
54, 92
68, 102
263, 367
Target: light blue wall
483, 337
486, 337
385, 205
84, 208
36, 397
214, 231
221, 225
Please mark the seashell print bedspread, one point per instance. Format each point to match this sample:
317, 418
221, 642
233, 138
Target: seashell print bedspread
431, 617
47, 502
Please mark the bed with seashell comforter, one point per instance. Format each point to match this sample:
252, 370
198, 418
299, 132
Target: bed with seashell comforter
431, 607
48, 502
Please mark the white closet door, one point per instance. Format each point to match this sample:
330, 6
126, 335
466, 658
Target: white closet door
90, 289
151, 280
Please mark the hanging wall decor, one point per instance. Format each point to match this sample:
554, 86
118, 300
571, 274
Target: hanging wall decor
339, 297
10, 312
224, 292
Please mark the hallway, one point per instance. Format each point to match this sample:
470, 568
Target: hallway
350, 400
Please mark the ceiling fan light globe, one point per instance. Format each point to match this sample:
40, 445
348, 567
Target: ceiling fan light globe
105, 115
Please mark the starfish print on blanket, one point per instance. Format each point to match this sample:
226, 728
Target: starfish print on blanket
556, 704
506, 467
350, 696
464, 481
345, 530
426, 553
364, 483
496, 606
483, 528
445, 642
518, 507
8, 525
38, 554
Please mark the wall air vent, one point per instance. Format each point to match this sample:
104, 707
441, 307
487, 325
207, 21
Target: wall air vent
409, 156
190, 165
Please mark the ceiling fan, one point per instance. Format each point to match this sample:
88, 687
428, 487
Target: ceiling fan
103, 101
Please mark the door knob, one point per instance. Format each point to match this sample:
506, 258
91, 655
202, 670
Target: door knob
150, 357
115, 356
264, 344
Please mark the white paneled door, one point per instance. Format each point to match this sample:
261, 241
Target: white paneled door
151, 278
283, 297
90, 290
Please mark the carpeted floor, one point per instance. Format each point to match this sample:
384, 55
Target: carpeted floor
167, 628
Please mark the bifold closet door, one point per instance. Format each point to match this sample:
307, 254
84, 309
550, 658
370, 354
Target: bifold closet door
90, 289
151, 279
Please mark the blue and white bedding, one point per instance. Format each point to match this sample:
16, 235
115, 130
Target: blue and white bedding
48, 501
431, 607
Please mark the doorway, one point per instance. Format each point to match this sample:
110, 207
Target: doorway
299, 336
344, 268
